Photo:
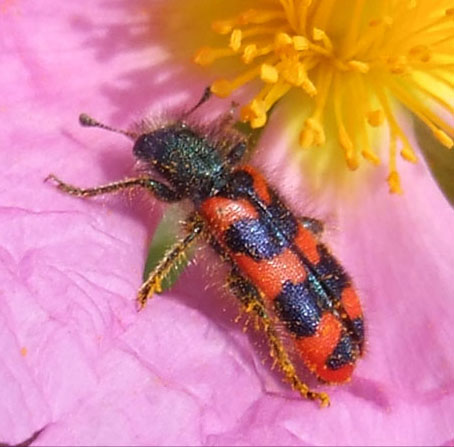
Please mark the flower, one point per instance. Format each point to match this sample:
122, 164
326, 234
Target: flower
355, 62
80, 362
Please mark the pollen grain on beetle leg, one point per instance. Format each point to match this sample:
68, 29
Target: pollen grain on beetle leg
357, 64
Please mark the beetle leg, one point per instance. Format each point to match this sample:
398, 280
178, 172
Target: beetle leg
253, 302
153, 283
158, 189
315, 226
247, 293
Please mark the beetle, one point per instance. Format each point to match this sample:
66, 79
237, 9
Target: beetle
281, 271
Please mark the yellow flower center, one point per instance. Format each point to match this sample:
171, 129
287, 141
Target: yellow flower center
355, 60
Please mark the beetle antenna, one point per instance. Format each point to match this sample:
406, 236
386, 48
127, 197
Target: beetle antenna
205, 97
87, 121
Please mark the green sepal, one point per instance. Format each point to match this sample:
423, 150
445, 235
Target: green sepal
439, 159
166, 235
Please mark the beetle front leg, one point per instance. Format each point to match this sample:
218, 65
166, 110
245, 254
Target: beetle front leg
158, 189
194, 226
315, 226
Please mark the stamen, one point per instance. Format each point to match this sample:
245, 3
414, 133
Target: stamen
360, 97
354, 66
258, 17
438, 127
344, 138
445, 39
394, 180
207, 55
376, 28
222, 26
320, 36
260, 30
277, 92
289, 9
394, 128
269, 74
448, 17
353, 29
419, 86
359, 66
302, 14
323, 13
393, 177
375, 117
235, 39
282, 40
251, 52
441, 76
313, 132
223, 87
300, 43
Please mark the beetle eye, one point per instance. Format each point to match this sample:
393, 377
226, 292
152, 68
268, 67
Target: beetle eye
142, 148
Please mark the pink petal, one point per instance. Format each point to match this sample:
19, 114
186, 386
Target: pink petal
78, 359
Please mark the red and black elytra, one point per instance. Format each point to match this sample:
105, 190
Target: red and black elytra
280, 270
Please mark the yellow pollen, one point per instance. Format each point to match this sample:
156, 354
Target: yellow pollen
444, 139
255, 113
394, 183
300, 43
356, 64
375, 118
370, 156
282, 40
235, 39
320, 35
362, 67
312, 134
408, 154
207, 55
250, 52
222, 88
269, 74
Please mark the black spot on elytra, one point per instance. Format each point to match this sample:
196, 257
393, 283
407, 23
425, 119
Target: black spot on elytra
253, 238
263, 237
358, 331
284, 220
345, 353
297, 308
330, 273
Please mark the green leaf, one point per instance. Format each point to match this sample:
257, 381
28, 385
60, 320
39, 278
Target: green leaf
167, 234
439, 159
